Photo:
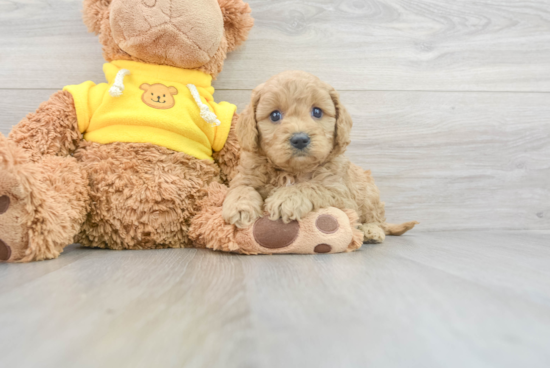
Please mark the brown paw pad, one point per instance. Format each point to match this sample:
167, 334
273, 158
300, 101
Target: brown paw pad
323, 248
327, 224
275, 234
4, 204
5, 251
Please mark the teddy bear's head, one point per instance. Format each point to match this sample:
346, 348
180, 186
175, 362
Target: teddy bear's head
189, 34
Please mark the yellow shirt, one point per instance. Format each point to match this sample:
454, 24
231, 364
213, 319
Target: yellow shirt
156, 106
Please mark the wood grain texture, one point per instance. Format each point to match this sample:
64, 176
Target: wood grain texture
452, 299
452, 160
467, 45
452, 114
449, 160
457, 160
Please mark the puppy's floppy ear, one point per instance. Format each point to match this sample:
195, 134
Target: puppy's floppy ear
343, 125
237, 22
94, 13
247, 128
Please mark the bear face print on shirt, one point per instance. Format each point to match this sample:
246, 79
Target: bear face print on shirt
158, 96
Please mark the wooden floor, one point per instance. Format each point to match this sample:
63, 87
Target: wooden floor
441, 299
451, 108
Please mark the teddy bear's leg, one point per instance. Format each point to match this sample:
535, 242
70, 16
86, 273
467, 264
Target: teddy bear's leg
142, 196
42, 204
208, 228
328, 230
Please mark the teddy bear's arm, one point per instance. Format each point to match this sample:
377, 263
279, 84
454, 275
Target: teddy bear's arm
51, 130
228, 158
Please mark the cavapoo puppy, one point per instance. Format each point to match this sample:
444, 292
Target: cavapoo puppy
293, 135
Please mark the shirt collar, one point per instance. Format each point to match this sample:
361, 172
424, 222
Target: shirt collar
164, 72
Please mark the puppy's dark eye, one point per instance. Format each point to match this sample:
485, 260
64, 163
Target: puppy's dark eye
276, 116
317, 113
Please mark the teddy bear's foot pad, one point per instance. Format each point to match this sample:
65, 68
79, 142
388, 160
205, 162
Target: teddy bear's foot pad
275, 234
5, 251
12, 231
323, 248
324, 231
4, 204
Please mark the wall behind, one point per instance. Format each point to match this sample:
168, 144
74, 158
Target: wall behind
451, 99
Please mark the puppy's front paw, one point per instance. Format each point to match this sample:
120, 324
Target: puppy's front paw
242, 214
288, 207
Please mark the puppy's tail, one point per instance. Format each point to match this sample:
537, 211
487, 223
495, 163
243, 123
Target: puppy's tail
396, 230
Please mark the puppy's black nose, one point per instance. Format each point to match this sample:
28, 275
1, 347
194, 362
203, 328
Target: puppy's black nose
300, 141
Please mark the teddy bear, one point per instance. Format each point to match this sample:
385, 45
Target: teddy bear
124, 164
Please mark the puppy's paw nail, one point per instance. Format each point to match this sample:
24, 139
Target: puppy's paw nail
275, 234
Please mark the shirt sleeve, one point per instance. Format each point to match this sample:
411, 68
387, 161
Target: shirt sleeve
225, 112
87, 98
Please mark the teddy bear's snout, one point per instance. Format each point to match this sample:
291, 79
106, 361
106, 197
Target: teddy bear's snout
181, 33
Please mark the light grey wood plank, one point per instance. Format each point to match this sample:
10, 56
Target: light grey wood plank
449, 160
515, 263
390, 311
46, 45
488, 45
452, 299
13, 276
137, 309
457, 160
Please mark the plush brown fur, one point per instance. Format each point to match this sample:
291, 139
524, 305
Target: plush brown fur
142, 196
49, 201
51, 130
118, 196
228, 158
289, 183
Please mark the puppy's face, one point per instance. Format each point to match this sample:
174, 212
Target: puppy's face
296, 118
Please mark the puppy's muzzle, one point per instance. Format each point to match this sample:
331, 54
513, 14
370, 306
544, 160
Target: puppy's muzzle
300, 141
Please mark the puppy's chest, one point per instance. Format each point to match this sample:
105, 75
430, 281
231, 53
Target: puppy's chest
300, 178
285, 180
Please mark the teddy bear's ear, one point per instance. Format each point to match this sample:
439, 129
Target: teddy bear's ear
94, 12
237, 22
173, 91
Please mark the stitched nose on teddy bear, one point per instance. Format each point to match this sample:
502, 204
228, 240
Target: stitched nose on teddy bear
180, 33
